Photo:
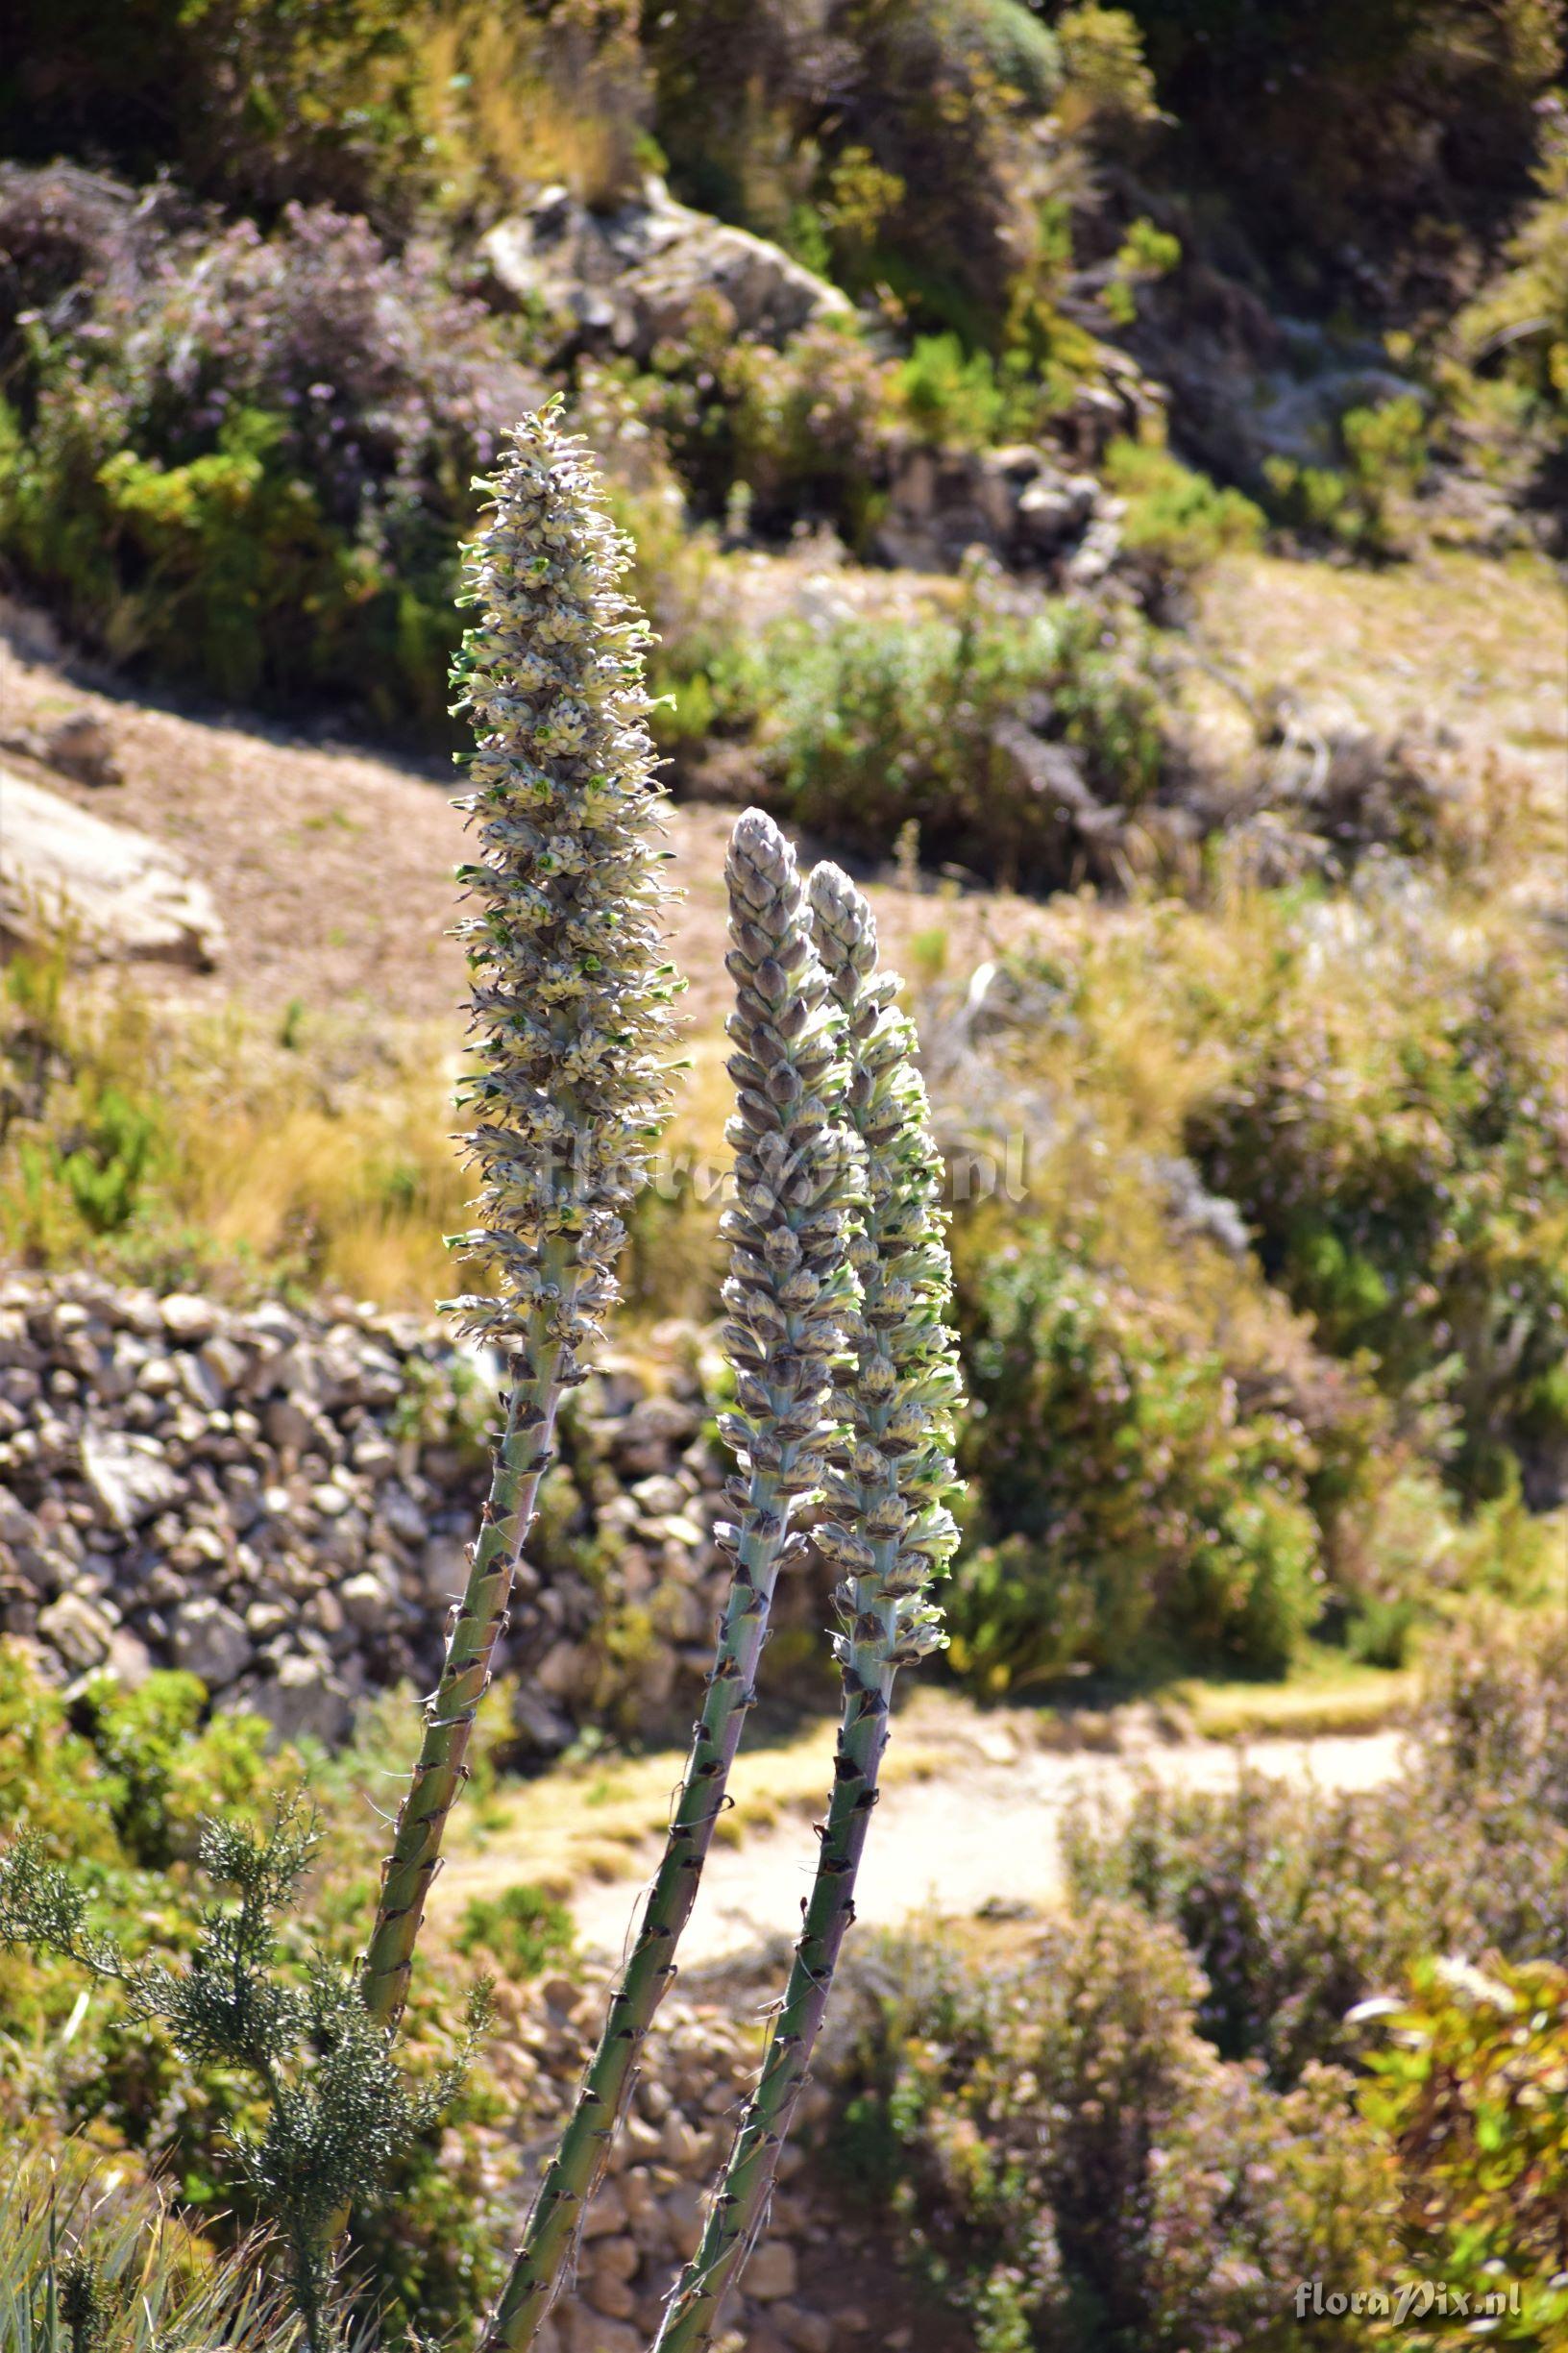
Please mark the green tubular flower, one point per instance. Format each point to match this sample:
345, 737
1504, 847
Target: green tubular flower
569, 1026
789, 1297
892, 1532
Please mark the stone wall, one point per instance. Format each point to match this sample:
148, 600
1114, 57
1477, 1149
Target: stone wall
279, 1501
822, 2281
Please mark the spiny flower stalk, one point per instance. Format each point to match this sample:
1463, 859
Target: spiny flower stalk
789, 1298
570, 1018
892, 1534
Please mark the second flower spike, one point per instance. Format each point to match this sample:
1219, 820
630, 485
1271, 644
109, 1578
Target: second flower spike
790, 1302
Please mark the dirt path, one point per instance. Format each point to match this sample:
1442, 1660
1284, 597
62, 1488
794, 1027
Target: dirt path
331, 866
971, 1819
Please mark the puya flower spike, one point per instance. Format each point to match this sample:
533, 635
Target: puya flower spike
788, 1296
571, 1024
892, 1533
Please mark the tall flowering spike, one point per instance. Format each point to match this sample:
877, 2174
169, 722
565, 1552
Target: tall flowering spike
571, 993
797, 1177
891, 1492
890, 1487
790, 1297
571, 1018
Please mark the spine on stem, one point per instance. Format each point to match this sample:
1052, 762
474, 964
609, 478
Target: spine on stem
892, 1534
788, 1300
570, 1021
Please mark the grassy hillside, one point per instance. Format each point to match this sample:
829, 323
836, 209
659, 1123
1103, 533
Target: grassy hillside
1117, 510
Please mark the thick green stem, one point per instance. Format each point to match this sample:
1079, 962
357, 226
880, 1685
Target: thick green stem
442, 1769
551, 2237
739, 2204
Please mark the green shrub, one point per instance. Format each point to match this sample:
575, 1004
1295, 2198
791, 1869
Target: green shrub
1364, 504
1125, 1502
114, 1782
952, 397
872, 723
523, 1928
1298, 1905
1394, 1139
1074, 2168
1471, 2091
1146, 254
251, 471
924, 108
1177, 519
1107, 88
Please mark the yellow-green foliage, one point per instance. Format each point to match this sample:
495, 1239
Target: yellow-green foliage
1471, 2086
1176, 517
1127, 1500
1365, 502
1106, 83
115, 1784
1392, 1133
217, 1153
510, 99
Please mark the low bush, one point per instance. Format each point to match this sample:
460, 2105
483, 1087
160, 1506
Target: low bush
1364, 503
1177, 520
1395, 1139
761, 109
251, 470
1126, 1503
1470, 2090
523, 1928
1072, 2166
1297, 1905
115, 1784
870, 725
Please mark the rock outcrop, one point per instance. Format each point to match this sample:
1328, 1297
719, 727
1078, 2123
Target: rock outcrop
1015, 502
628, 280
120, 894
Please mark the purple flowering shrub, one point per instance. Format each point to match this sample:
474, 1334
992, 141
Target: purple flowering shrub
249, 463
1074, 2166
1297, 1904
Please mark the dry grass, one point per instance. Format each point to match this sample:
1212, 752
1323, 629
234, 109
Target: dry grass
1462, 639
509, 104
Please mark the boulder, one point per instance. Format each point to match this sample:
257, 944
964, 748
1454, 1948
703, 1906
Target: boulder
127, 1478
302, 1701
207, 1639
81, 745
630, 278
80, 1633
125, 895
1014, 501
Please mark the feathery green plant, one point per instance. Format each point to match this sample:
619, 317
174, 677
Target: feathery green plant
570, 1012
338, 2110
790, 1292
892, 1533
